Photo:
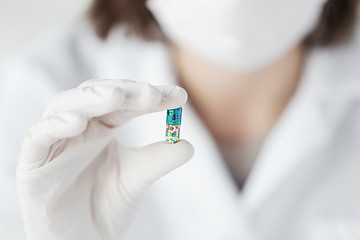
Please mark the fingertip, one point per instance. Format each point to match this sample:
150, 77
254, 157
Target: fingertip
182, 150
185, 148
184, 97
163, 157
179, 96
174, 97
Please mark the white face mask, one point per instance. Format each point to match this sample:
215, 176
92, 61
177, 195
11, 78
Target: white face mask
242, 35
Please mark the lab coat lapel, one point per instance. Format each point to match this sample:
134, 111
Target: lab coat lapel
298, 133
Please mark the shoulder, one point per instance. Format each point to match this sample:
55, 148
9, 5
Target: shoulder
334, 73
337, 65
332, 79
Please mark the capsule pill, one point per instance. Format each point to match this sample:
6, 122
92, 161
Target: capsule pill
173, 122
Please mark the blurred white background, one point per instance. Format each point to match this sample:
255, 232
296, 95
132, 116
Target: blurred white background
22, 21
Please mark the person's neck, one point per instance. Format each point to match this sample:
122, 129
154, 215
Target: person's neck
238, 107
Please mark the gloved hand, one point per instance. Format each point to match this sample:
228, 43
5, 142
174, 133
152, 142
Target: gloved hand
74, 180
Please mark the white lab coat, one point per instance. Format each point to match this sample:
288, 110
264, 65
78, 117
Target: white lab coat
306, 180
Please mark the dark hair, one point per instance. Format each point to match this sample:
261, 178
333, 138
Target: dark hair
336, 23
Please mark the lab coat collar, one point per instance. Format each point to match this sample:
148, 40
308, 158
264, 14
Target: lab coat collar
298, 132
307, 124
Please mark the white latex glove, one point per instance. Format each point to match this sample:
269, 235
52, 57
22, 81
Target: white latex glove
74, 180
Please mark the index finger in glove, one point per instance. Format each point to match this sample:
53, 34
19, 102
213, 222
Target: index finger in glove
169, 97
94, 100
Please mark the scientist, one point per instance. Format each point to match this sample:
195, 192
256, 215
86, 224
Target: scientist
273, 116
